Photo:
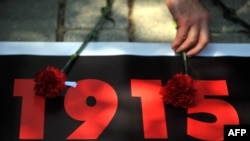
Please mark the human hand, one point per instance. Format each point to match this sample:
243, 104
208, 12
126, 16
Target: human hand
192, 25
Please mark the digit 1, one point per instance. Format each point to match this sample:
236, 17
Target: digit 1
95, 117
224, 111
154, 125
32, 111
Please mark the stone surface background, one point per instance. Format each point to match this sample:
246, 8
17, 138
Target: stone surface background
136, 21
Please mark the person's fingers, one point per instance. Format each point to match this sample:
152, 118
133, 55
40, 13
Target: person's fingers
181, 35
192, 33
191, 39
202, 42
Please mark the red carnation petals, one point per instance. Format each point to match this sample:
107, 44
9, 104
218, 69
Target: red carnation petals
180, 91
49, 82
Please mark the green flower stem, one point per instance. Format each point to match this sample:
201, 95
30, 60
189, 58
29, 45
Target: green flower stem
106, 12
184, 57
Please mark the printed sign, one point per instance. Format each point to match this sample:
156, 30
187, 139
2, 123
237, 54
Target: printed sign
117, 98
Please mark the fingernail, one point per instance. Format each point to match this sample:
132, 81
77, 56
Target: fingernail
173, 47
178, 50
189, 55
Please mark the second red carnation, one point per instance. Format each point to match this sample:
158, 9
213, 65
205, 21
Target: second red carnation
179, 91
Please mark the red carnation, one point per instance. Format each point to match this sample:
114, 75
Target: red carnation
49, 82
179, 91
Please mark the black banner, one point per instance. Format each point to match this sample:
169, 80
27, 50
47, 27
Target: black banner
117, 98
